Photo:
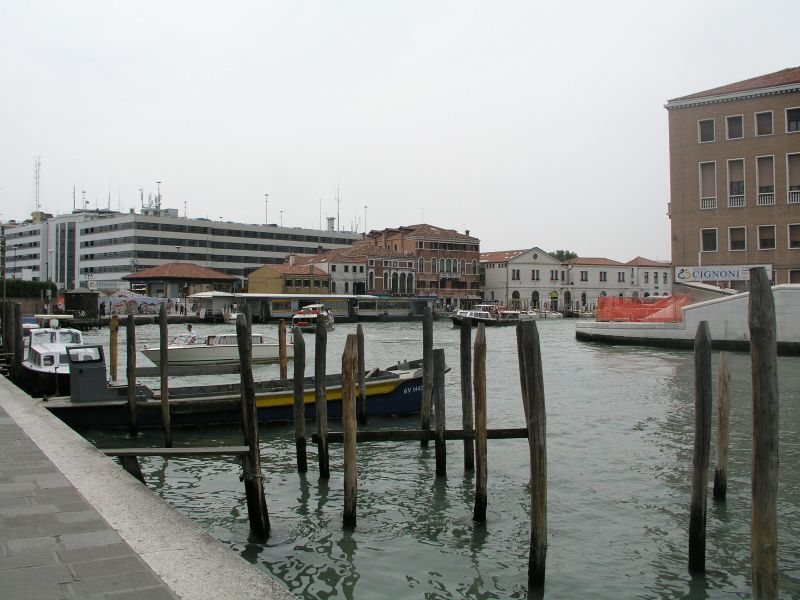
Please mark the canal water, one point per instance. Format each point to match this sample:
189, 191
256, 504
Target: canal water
619, 443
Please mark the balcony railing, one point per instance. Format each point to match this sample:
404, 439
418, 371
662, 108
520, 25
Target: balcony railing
766, 198
708, 203
444, 275
794, 196
736, 201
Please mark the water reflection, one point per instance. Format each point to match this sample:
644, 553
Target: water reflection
619, 458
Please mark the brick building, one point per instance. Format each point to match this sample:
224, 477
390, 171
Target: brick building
735, 175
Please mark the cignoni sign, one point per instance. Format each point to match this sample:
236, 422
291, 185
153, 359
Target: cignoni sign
717, 273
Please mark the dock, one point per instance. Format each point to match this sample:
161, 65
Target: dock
74, 524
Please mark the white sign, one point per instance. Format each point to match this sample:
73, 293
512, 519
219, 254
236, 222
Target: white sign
718, 273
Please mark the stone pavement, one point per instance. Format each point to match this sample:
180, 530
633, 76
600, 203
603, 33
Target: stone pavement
53, 543
74, 524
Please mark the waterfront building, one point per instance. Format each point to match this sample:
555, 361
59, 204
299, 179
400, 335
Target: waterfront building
445, 261
735, 175
535, 279
96, 248
179, 280
289, 278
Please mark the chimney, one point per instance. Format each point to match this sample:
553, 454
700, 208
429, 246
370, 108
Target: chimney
467, 232
331, 223
292, 260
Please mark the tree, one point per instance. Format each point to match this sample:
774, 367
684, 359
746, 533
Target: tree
563, 255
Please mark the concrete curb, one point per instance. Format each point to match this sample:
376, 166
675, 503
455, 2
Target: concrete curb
189, 561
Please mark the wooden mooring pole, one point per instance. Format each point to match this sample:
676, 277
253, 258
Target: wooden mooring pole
320, 399
362, 387
299, 399
113, 346
479, 382
349, 368
438, 385
164, 368
130, 344
466, 391
764, 477
253, 478
536, 423
427, 371
723, 428
702, 444
283, 360
19, 342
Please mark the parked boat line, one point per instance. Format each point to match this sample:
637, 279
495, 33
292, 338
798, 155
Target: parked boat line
216, 349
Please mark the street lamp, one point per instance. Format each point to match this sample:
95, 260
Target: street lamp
266, 209
281, 218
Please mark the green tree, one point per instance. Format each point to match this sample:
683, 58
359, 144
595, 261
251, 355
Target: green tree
563, 255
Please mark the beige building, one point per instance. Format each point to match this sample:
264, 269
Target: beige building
288, 279
735, 175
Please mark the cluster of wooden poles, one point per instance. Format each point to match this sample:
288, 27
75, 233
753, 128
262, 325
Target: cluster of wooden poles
764, 474
12, 349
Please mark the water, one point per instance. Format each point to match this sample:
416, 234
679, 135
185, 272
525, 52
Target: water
619, 442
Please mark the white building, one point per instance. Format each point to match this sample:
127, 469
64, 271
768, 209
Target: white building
95, 248
535, 279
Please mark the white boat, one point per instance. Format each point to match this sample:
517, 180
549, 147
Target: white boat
727, 319
216, 349
491, 315
45, 368
306, 318
550, 314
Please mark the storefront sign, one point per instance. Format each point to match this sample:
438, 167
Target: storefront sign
718, 273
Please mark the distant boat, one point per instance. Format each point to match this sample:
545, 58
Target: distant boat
306, 318
491, 315
217, 349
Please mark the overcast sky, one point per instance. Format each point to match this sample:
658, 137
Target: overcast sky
529, 123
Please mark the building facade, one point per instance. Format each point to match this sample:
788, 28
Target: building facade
446, 263
289, 278
96, 248
735, 175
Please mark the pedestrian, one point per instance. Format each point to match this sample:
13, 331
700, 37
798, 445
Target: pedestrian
192, 334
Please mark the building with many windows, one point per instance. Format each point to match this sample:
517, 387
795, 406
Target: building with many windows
535, 279
96, 248
735, 175
446, 262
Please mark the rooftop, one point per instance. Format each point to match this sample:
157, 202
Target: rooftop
184, 270
786, 77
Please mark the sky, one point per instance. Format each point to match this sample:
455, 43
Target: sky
529, 123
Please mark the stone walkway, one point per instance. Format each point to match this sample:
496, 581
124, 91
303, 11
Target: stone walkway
53, 543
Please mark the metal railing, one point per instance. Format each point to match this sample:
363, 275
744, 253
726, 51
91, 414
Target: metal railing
766, 198
708, 203
736, 201
794, 196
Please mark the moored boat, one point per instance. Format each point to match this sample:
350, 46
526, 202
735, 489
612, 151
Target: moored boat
394, 391
216, 349
45, 368
492, 315
306, 318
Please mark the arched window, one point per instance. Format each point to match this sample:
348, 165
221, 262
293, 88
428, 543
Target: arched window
535, 299
385, 281
410, 283
433, 265
421, 267
515, 299
402, 283
583, 300
333, 287
449, 265
442, 265
394, 283
371, 282
474, 267
463, 266
346, 287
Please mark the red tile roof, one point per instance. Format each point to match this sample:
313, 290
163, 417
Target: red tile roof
424, 231
184, 270
640, 261
784, 77
599, 262
501, 255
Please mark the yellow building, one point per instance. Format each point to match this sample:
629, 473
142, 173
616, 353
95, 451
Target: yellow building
288, 279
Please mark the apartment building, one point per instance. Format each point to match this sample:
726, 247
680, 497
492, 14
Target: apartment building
96, 248
735, 176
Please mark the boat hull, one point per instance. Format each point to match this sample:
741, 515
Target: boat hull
42, 383
215, 355
488, 322
392, 397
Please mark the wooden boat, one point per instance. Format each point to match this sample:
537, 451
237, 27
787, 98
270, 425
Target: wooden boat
306, 318
394, 391
492, 315
216, 349
45, 368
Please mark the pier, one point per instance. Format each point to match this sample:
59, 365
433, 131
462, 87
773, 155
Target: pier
75, 525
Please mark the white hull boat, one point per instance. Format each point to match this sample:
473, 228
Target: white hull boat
217, 350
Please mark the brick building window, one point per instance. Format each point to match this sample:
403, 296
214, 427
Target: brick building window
708, 240
705, 130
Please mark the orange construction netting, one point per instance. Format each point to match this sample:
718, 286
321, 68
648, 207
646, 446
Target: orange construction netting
645, 310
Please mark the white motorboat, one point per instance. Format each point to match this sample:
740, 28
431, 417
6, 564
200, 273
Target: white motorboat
216, 349
492, 315
45, 367
306, 318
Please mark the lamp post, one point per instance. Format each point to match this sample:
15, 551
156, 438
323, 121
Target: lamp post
266, 209
365, 218
281, 218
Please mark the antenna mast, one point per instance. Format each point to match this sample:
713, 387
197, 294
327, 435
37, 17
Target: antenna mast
37, 175
338, 203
